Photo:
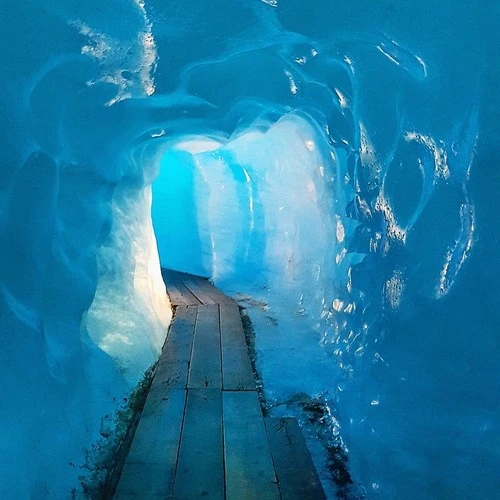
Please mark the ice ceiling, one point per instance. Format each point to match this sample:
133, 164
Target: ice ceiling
313, 159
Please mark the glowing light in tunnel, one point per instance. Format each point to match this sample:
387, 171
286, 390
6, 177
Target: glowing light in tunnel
259, 186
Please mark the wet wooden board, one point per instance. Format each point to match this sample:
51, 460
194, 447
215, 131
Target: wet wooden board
248, 465
172, 369
154, 449
290, 454
236, 367
196, 288
177, 292
197, 285
202, 432
200, 469
207, 290
180, 293
143, 481
205, 371
176, 297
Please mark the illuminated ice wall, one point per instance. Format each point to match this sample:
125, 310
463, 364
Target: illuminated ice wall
330, 164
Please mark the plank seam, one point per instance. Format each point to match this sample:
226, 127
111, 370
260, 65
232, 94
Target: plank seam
183, 419
190, 292
224, 475
272, 458
192, 347
180, 441
220, 348
197, 295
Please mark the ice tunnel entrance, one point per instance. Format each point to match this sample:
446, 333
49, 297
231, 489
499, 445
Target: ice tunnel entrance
256, 208
175, 208
257, 214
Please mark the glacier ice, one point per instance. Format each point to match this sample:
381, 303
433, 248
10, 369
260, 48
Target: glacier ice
130, 312
83, 309
330, 166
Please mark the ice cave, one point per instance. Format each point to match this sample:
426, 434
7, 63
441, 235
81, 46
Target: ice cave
322, 163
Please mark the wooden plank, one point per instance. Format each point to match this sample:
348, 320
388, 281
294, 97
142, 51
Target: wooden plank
201, 284
182, 293
142, 481
150, 466
211, 291
172, 369
236, 366
194, 301
197, 289
175, 296
171, 275
205, 370
178, 293
200, 469
248, 465
291, 455
219, 296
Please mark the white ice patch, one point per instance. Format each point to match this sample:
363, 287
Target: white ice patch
198, 145
130, 66
130, 314
459, 252
293, 86
394, 230
344, 103
394, 288
403, 57
442, 170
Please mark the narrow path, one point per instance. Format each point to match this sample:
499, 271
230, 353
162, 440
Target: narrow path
202, 432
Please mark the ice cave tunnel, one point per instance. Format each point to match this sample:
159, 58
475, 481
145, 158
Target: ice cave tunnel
330, 165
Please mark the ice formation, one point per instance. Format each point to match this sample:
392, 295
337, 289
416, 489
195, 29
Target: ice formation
329, 165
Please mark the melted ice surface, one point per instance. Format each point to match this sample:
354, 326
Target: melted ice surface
330, 165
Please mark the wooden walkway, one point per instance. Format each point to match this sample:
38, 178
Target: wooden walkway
202, 432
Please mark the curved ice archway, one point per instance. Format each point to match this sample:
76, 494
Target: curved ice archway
82, 144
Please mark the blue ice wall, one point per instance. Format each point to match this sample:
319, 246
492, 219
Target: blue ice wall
333, 165
66, 178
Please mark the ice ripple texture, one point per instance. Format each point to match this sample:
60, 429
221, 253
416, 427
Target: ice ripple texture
328, 164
